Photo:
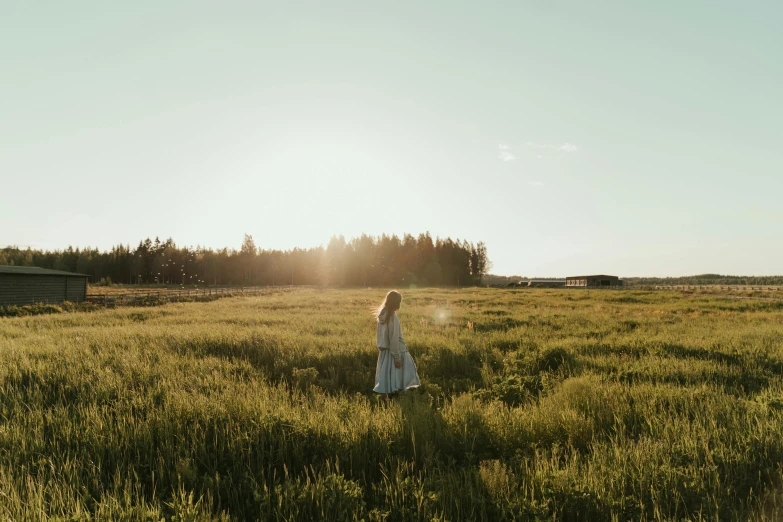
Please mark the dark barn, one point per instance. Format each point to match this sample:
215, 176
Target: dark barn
594, 281
546, 283
22, 285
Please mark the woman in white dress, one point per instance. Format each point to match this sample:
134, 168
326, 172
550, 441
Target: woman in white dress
395, 370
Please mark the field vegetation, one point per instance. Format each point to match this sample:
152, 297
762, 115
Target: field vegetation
536, 405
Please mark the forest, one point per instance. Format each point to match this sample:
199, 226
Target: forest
363, 261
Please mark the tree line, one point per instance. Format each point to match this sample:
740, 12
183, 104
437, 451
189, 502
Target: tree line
387, 260
707, 279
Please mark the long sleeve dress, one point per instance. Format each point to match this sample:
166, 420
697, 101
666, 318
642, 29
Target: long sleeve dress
391, 346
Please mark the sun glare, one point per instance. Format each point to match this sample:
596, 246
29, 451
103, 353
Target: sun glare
442, 315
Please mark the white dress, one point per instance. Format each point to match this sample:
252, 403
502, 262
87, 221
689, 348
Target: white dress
388, 378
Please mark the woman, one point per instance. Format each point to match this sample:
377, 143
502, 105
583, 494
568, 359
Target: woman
395, 370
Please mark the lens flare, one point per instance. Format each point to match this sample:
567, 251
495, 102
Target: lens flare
442, 315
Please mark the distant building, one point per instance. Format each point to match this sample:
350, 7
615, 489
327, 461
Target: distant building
21, 285
546, 283
594, 281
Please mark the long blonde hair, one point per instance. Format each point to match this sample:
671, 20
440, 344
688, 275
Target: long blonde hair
390, 305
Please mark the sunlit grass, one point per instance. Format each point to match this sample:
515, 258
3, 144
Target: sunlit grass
536, 405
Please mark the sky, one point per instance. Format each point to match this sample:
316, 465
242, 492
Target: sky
622, 137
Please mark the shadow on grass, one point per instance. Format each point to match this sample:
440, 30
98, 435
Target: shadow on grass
739, 384
341, 372
737, 374
747, 361
454, 371
501, 325
684, 352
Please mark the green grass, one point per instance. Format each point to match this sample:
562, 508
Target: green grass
536, 405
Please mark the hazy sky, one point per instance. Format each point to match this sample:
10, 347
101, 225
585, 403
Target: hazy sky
625, 137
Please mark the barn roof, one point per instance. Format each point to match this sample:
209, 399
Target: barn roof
586, 276
34, 270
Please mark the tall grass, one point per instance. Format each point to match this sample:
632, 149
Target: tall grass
536, 405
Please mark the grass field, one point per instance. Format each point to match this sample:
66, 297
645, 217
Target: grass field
536, 405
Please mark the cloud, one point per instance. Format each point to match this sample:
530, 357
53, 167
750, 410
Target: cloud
565, 147
505, 153
535, 183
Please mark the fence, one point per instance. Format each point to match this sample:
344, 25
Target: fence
630, 286
175, 296
205, 294
747, 288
